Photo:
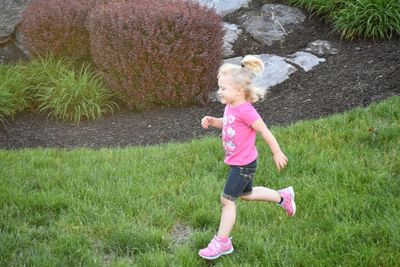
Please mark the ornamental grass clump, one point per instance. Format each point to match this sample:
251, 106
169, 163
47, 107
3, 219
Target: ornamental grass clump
14, 93
323, 8
57, 27
157, 52
69, 94
377, 19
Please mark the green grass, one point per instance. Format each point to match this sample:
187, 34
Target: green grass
378, 19
118, 207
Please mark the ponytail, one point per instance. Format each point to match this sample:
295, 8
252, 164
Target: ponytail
253, 64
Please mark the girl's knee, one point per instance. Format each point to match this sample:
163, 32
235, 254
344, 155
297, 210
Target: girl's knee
227, 202
246, 197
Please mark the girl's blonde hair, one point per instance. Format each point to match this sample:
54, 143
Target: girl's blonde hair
242, 76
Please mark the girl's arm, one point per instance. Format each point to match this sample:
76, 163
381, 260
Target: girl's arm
279, 158
211, 121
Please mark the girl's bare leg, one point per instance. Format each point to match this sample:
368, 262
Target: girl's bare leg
261, 193
228, 217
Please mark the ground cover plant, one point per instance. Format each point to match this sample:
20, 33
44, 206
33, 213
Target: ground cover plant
376, 19
124, 207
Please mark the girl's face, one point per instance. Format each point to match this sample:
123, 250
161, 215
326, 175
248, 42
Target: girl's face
228, 93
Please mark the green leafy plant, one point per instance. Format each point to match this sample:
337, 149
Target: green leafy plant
14, 95
377, 19
323, 8
55, 86
68, 94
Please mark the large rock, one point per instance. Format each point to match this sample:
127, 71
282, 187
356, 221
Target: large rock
10, 16
11, 53
276, 70
224, 7
272, 23
304, 60
232, 33
19, 42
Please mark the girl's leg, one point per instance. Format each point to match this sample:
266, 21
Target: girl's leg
228, 217
222, 244
285, 195
261, 193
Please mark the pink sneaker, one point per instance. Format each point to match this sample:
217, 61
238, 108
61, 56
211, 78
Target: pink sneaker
216, 248
288, 201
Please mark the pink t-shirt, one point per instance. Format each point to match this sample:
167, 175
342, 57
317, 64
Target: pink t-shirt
238, 137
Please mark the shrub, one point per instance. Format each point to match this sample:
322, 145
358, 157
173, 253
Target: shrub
157, 52
58, 27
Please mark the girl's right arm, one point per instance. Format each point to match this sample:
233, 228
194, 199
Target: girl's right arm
211, 121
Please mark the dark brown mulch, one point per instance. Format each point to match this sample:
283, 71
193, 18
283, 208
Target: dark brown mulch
362, 72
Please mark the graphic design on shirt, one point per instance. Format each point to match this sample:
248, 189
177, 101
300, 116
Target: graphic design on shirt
237, 134
231, 119
228, 134
230, 147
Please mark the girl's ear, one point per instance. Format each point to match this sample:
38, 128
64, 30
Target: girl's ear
239, 89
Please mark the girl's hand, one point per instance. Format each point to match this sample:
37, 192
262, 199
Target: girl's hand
280, 160
206, 121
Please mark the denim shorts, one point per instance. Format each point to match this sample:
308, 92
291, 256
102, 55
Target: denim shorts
239, 181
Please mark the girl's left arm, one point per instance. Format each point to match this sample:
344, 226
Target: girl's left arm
279, 158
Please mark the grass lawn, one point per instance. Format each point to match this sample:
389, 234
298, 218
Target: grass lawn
157, 206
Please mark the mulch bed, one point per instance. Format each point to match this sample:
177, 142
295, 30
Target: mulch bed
363, 71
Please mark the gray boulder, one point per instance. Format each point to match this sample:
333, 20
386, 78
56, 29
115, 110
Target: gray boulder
272, 23
304, 60
11, 53
232, 33
224, 7
10, 16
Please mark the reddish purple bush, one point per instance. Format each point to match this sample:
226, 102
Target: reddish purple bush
157, 52
57, 27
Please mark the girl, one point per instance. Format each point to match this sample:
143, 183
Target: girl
239, 125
